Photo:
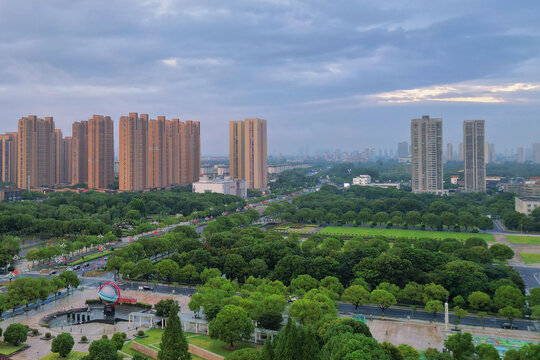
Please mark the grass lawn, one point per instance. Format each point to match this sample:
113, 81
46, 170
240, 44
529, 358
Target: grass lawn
91, 257
516, 239
74, 355
530, 258
7, 349
397, 233
203, 341
215, 346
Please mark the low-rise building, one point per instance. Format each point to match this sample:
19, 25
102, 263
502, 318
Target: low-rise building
526, 205
362, 180
12, 194
365, 180
226, 186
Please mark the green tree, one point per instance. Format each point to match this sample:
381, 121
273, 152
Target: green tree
487, 352
333, 284
103, 349
118, 339
413, 218
231, 324
501, 252
173, 345
163, 307
382, 298
391, 351
315, 305
434, 306
128, 270
62, 344
381, 218
412, 293
508, 296
294, 342
302, 284
188, 274
245, 354
15, 334
510, 313
459, 313
167, 269
70, 279
145, 268
481, 315
408, 352
461, 345
235, 266
479, 300
434, 292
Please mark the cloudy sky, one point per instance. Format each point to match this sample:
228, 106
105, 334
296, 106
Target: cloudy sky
325, 74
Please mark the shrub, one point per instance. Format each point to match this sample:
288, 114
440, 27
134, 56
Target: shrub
140, 333
35, 331
16, 334
105, 337
48, 335
84, 338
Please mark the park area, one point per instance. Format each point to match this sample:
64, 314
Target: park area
400, 233
530, 258
529, 240
153, 341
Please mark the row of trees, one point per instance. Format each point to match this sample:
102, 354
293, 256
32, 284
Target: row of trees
93, 213
26, 290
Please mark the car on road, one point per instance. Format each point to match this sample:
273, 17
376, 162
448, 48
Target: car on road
54, 272
86, 265
509, 326
147, 288
77, 267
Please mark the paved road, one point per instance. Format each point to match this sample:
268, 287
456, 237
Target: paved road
531, 275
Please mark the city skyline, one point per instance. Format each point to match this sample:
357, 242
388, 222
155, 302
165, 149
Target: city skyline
355, 73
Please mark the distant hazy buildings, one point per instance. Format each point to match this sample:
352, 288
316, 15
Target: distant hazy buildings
536, 153
156, 154
426, 155
403, 149
449, 152
248, 152
474, 155
460, 152
520, 155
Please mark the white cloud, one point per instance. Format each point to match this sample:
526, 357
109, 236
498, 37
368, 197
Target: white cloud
460, 92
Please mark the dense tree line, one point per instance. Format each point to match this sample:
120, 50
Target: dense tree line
93, 213
361, 205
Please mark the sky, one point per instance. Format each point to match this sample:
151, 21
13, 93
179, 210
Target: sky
324, 74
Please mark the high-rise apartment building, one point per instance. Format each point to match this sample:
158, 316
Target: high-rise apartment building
8, 157
157, 167
100, 152
133, 152
190, 147
35, 152
158, 153
79, 155
67, 159
403, 149
474, 154
426, 155
248, 152
460, 152
59, 158
449, 152
536, 153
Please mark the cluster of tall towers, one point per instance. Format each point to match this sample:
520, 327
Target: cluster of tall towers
248, 151
153, 153
157, 154
427, 155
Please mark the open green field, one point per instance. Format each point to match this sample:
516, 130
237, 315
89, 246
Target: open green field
516, 239
400, 233
530, 258
74, 355
154, 339
7, 349
91, 257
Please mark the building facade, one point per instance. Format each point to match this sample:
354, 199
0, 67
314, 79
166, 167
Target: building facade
8, 158
157, 154
227, 186
100, 152
79, 153
68, 159
426, 155
248, 152
449, 152
403, 149
35, 154
526, 205
474, 155
60, 157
